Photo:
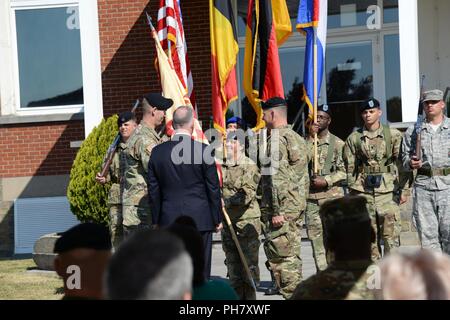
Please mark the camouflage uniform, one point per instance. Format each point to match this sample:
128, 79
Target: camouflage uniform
331, 168
136, 206
284, 193
240, 181
376, 153
114, 198
344, 279
431, 190
347, 280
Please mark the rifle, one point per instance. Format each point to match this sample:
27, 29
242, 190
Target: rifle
418, 126
113, 147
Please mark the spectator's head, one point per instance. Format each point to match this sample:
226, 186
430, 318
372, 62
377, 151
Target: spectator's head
194, 245
183, 118
83, 253
274, 112
347, 229
423, 275
154, 107
150, 265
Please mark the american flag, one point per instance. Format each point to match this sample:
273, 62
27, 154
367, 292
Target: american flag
170, 30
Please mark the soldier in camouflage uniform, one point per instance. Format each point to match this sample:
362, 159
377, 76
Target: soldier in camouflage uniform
346, 224
326, 184
240, 180
371, 156
431, 190
136, 206
283, 185
127, 125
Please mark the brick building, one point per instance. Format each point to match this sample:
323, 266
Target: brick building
65, 64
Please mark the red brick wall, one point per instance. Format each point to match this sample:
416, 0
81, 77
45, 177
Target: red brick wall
128, 52
38, 149
127, 58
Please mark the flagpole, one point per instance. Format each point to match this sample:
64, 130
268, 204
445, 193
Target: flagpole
315, 160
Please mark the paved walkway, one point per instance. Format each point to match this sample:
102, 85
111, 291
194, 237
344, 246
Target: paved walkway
219, 269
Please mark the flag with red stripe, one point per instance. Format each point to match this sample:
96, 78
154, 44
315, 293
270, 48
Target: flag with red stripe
224, 51
268, 26
171, 34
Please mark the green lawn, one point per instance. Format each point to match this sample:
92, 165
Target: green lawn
18, 283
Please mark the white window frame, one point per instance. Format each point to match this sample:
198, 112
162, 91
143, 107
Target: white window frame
90, 56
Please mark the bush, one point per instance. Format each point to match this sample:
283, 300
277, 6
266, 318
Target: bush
87, 198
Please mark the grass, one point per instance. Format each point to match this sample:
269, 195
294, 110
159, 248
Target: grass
18, 283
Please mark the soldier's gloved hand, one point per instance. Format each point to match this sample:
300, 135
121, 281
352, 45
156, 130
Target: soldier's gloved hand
277, 221
100, 179
318, 183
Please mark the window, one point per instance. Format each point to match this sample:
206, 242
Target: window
49, 57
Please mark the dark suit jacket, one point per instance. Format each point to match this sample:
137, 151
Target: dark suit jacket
181, 182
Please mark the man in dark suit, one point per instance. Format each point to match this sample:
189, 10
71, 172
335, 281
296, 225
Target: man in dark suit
183, 180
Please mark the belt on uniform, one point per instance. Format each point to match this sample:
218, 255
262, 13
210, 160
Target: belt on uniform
431, 172
377, 169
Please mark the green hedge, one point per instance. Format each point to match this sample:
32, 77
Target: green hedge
87, 198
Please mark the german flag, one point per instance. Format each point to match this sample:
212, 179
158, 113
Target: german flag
268, 26
224, 51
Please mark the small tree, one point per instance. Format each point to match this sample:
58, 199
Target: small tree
87, 198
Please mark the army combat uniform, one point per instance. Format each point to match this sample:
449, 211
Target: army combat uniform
372, 159
136, 206
431, 189
240, 181
331, 168
115, 175
284, 191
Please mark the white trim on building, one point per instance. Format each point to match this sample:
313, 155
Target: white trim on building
90, 58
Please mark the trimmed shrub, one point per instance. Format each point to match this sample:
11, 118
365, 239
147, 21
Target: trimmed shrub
87, 198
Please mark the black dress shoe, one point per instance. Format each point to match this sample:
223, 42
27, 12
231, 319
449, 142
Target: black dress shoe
272, 291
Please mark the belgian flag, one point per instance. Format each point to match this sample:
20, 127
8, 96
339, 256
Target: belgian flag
268, 26
224, 51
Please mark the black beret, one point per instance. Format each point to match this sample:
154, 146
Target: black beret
324, 108
125, 117
84, 235
273, 103
370, 104
157, 101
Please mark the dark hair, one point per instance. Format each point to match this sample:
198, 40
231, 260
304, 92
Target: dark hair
194, 245
150, 264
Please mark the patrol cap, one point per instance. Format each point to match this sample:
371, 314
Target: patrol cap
86, 235
370, 104
273, 103
157, 101
125, 117
435, 95
324, 108
346, 210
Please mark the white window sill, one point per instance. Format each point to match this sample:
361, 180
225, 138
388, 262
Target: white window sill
17, 119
